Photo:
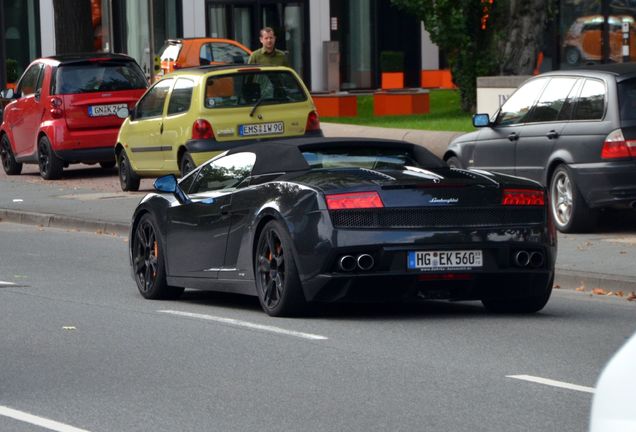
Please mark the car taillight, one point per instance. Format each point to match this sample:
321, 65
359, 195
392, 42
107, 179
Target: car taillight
523, 197
56, 107
356, 200
615, 146
202, 129
313, 122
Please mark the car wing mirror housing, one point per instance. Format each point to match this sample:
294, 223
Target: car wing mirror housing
481, 120
7, 94
169, 184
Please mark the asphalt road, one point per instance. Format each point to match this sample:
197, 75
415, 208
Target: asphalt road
79, 346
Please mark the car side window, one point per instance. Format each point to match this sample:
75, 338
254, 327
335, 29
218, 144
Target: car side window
224, 173
590, 104
227, 53
151, 105
519, 104
551, 100
31, 81
181, 96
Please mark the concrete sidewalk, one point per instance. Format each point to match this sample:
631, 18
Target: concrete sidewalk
89, 199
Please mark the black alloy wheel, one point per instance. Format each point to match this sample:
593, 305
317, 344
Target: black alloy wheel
128, 179
148, 262
187, 164
9, 164
50, 165
277, 282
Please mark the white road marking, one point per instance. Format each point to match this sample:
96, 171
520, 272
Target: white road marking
246, 324
552, 383
38, 421
6, 283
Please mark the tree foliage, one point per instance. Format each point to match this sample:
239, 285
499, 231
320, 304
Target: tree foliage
483, 37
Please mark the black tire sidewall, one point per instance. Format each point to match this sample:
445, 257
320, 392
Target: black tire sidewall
128, 180
55, 166
14, 168
292, 301
159, 289
582, 218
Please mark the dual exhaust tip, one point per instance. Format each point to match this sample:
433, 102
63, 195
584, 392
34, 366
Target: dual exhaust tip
529, 259
350, 263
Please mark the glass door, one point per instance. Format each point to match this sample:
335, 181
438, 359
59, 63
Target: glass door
242, 25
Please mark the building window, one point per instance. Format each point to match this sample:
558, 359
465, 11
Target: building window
21, 32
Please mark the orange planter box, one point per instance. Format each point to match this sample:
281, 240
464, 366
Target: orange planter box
437, 79
336, 105
392, 80
401, 103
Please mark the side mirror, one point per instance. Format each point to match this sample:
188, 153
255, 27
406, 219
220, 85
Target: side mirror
122, 113
481, 120
169, 184
132, 114
7, 94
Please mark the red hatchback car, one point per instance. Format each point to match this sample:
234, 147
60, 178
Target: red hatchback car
68, 109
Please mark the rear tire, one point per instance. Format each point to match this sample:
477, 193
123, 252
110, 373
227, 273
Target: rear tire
277, 283
49, 164
187, 164
149, 266
9, 164
521, 305
454, 162
569, 209
572, 56
128, 179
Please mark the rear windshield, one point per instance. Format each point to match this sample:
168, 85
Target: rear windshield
370, 158
98, 76
627, 99
249, 88
170, 51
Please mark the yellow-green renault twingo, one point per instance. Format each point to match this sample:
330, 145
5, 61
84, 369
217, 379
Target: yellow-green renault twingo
193, 114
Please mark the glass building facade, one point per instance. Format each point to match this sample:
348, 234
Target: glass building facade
579, 32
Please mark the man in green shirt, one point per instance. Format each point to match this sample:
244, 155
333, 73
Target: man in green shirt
268, 55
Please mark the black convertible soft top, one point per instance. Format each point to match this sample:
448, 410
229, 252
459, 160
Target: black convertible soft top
286, 155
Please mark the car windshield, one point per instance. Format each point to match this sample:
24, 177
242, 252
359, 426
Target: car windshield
249, 88
627, 99
96, 76
370, 158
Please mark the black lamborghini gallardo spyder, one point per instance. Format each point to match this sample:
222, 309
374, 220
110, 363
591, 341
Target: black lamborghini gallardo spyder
304, 221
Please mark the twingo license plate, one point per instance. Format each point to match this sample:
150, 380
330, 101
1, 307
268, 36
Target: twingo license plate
105, 110
444, 260
261, 129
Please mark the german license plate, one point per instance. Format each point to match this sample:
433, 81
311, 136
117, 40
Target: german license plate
105, 110
444, 260
261, 129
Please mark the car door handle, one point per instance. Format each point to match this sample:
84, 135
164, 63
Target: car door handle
552, 134
225, 209
514, 136
161, 129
